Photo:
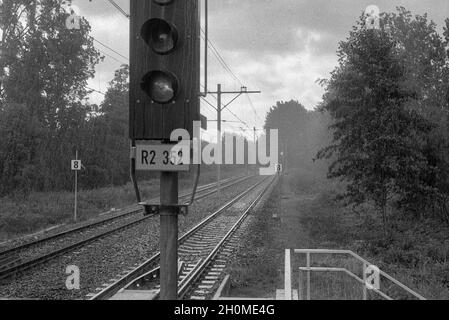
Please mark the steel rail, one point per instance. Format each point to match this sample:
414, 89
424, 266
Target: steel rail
196, 273
150, 264
29, 263
133, 210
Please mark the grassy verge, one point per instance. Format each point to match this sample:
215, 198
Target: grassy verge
38, 210
416, 253
255, 268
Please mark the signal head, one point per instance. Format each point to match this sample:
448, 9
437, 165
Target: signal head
162, 87
163, 2
160, 36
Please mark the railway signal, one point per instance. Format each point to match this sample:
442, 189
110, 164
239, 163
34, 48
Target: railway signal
164, 68
164, 97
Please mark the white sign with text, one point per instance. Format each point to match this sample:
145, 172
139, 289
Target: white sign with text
159, 158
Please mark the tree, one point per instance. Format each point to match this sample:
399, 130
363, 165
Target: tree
301, 132
424, 54
18, 131
46, 72
115, 132
378, 142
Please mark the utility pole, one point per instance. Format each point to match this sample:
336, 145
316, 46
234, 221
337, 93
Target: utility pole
219, 140
256, 146
220, 108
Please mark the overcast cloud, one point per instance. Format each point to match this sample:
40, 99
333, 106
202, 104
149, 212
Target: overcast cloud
278, 46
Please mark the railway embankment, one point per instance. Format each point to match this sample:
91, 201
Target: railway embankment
303, 214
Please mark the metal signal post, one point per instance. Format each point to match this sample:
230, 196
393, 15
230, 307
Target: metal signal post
169, 236
164, 97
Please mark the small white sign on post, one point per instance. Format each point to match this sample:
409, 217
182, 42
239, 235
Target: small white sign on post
76, 165
279, 168
372, 277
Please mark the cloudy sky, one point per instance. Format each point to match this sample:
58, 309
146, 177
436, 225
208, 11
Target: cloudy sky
280, 47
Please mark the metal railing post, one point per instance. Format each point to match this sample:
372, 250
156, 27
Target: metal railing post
308, 275
300, 286
288, 276
365, 294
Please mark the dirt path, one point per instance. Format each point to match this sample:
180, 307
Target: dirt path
258, 267
291, 207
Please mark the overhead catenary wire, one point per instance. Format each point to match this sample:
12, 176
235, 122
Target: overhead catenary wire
220, 59
97, 91
119, 8
226, 67
213, 96
232, 113
254, 108
238, 118
109, 48
210, 104
106, 46
214, 50
211, 45
106, 54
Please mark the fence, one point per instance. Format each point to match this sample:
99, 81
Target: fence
362, 275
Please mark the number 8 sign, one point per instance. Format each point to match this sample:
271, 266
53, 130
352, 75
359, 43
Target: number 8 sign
76, 165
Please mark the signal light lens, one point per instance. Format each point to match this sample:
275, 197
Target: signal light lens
163, 2
161, 87
160, 35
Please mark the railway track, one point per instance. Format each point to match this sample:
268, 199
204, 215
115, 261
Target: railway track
37, 252
202, 251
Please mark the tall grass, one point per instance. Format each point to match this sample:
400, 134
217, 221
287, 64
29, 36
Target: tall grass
416, 252
39, 210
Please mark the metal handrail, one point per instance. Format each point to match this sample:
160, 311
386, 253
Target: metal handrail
308, 253
352, 275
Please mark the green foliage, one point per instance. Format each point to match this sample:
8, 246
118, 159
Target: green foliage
301, 132
45, 114
415, 253
107, 155
387, 99
43, 102
18, 131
